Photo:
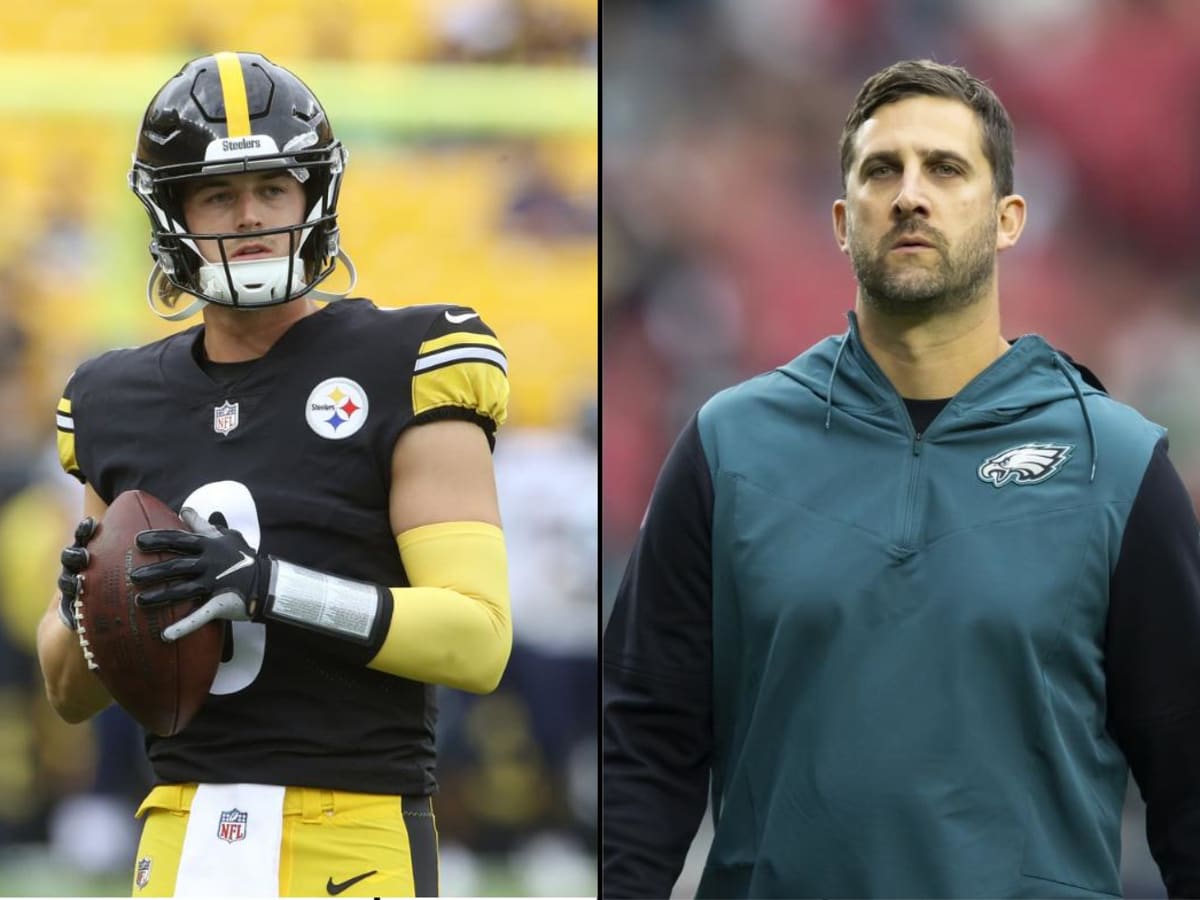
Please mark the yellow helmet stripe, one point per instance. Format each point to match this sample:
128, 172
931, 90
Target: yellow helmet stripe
233, 87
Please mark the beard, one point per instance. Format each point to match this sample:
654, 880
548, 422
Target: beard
901, 286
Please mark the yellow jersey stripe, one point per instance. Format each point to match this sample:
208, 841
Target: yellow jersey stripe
64, 406
233, 87
458, 337
475, 385
66, 452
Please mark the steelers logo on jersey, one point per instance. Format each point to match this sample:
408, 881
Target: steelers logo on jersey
336, 408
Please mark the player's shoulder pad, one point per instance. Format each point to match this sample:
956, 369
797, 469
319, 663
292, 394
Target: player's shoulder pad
446, 320
65, 423
460, 366
99, 382
430, 320
93, 378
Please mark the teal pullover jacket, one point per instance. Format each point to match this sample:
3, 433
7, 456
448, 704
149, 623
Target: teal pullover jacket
901, 665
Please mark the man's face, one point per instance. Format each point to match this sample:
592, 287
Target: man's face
919, 220
245, 202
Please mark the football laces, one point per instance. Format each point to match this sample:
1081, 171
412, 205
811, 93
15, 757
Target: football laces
81, 630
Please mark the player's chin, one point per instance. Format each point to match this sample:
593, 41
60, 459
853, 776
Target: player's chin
911, 292
899, 261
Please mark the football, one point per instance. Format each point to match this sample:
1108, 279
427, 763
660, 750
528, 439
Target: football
162, 685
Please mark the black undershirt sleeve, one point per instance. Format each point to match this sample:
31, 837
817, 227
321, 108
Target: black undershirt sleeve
1152, 658
657, 685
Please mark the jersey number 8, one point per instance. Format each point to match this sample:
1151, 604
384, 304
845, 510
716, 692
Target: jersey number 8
234, 501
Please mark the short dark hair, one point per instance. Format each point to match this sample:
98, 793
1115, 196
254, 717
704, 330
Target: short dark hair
924, 76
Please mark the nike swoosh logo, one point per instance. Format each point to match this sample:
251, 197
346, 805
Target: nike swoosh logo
246, 560
335, 889
450, 317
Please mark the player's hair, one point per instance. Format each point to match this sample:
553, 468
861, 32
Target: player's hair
926, 77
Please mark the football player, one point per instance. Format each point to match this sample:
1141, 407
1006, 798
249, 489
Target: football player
333, 464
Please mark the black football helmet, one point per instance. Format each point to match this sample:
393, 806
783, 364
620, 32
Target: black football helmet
231, 113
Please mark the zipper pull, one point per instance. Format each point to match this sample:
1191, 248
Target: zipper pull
917, 443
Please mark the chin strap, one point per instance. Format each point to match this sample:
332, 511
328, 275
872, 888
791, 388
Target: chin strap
348, 263
155, 273
199, 303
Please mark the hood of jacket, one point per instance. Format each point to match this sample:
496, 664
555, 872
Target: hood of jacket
844, 376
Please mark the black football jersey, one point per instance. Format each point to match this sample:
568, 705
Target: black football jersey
296, 452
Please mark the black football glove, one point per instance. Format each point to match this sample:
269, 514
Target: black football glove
74, 560
214, 564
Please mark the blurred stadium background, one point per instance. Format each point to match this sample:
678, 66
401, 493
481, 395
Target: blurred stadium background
720, 123
473, 179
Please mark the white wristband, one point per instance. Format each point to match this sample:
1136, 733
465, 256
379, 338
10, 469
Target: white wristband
322, 602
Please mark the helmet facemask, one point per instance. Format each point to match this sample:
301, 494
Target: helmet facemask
252, 283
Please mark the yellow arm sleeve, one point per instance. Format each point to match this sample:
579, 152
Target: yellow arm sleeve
453, 626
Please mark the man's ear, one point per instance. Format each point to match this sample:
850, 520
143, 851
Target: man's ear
1011, 221
839, 225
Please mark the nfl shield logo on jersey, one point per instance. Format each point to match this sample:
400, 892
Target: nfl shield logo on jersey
232, 826
143, 873
225, 417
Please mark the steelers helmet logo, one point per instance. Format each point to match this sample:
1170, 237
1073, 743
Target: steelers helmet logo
336, 408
